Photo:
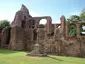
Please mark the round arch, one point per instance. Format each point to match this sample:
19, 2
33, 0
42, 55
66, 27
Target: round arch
82, 29
72, 30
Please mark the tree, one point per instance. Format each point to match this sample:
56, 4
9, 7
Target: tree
68, 20
4, 23
75, 18
82, 15
41, 26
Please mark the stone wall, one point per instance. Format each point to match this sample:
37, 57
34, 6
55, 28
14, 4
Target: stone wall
17, 38
5, 37
28, 39
75, 48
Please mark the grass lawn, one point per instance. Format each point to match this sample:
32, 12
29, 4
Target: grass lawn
19, 57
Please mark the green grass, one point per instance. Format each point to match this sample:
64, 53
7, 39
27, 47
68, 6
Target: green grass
19, 57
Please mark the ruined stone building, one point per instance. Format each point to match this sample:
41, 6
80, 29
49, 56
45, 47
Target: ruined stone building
24, 32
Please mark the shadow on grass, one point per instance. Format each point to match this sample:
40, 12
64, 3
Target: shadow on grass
55, 58
5, 51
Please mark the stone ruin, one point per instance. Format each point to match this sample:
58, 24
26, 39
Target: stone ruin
24, 34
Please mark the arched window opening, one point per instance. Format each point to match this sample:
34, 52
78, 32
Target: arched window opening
42, 23
72, 30
82, 29
35, 35
25, 18
23, 24
31, 23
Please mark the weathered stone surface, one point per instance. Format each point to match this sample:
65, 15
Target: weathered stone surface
28, 39
63, 26
70, 48
41, 33
22, 16
17, 38
5, 37
57, 34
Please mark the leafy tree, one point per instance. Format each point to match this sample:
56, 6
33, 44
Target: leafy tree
4, 23
73, 18
41, 26
68, 20
82, 15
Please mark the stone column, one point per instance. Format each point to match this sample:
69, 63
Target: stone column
63, 25
78, 30
48, 25
66, 30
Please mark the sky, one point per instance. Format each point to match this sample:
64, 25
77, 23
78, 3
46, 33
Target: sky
53, 8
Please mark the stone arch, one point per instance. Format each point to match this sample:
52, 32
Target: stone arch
72, 30
37, 21
42, 23
48, 24
82, 29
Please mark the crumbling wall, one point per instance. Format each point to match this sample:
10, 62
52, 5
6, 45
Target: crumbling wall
17, 38
28, 40
5, 37
70, 48
75, 48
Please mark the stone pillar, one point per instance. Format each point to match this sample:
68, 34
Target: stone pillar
63, 26
48, 26
66, 30
78, 30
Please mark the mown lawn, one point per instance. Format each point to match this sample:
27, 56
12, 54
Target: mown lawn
19, 57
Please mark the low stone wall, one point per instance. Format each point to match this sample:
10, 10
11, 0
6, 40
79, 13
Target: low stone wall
75, 48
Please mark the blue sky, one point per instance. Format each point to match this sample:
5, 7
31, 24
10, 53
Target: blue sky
53, 8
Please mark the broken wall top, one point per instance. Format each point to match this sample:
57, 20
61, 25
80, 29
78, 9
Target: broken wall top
21, 15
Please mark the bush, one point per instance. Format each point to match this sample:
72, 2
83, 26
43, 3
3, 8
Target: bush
4, 23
